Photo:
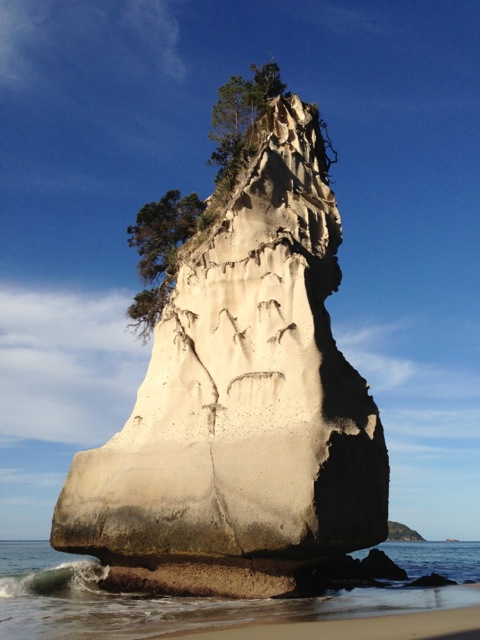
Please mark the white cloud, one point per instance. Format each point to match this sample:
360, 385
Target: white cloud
369, 335
365, 347
113, 37
19, 23
370, 350
154, 23
69, 369
431, 417
384, 372
7, 442
36, 480
44, 318
18, 501
410, 448
457, 424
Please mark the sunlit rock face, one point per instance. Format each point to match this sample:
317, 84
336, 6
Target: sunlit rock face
254, 448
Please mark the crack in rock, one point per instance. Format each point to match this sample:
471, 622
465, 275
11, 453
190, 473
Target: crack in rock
212, 408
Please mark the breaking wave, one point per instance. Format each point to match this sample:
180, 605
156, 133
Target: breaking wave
82, 575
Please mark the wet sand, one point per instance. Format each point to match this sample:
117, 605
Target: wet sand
452, 624
459, 623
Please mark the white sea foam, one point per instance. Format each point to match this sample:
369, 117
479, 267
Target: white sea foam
81, 575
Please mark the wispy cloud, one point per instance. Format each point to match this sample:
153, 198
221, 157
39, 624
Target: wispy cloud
377, 351
366, 347
451, 424
405, 447
156, 27
431, 415
18, 501
21, 477
115, 37
345, 20
6, 442
69, 370
371, 334
19, 29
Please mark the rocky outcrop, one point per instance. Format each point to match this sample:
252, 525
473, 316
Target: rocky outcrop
254, 448
433, 580
378, 565
401, 533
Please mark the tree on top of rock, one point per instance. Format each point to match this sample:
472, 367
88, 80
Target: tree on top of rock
160, 228
234, 111
267, 82
240, 103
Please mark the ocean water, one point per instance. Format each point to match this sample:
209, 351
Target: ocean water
46, 595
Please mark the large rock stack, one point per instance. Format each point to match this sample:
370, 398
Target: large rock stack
254, 450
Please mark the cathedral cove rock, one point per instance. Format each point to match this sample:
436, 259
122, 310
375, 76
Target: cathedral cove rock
254, 453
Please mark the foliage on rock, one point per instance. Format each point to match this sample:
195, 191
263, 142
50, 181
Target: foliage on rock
162, 227
159, 229
240, 103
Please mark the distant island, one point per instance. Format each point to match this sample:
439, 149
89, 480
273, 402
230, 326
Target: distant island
398, 532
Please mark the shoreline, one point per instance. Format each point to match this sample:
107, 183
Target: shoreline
445, 624
456, 622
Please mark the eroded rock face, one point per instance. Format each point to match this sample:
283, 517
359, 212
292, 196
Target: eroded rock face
252, 437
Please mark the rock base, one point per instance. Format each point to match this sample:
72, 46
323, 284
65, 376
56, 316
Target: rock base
197, 579
251, 578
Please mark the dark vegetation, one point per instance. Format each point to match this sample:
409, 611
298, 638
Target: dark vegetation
240, 103
402, 533
162, 227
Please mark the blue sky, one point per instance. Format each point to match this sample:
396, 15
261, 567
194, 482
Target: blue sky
106, 105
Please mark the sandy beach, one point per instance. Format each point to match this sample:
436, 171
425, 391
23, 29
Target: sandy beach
461, 621
450, 624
